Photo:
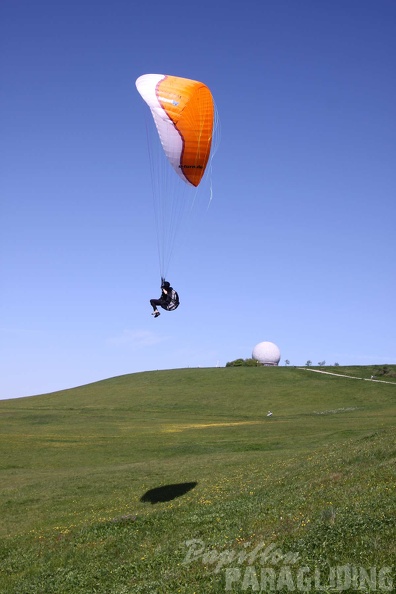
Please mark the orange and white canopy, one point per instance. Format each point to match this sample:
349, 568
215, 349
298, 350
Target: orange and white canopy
183, 111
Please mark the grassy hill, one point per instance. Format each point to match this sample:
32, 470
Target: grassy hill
103, 485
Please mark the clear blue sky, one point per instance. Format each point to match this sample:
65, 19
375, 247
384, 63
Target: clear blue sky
298, 245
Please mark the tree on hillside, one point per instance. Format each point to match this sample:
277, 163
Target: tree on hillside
287, 362
308, 363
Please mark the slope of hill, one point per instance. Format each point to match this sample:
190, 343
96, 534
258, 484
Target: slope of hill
103, 485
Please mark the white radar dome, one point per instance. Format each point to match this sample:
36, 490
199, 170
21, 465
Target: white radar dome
266, 353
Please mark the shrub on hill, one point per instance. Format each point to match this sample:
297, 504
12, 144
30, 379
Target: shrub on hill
242, 363
384, 371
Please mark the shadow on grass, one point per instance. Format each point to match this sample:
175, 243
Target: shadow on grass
167, 492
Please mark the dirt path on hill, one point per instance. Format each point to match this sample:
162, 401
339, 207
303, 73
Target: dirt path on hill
365, 379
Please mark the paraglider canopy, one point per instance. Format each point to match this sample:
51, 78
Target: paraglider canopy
183, 111
181, 146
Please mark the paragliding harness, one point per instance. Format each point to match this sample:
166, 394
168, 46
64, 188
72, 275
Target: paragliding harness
174, 302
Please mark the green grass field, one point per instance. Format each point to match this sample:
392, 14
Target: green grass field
177, 481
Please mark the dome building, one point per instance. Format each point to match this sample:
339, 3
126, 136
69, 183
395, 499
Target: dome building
266, 353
